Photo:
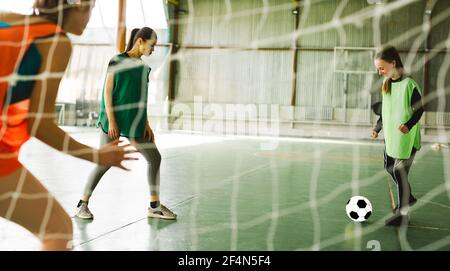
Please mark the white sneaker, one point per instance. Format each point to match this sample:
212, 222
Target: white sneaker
83, 211
161, 212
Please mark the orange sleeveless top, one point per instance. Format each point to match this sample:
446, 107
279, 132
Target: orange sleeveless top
16, 54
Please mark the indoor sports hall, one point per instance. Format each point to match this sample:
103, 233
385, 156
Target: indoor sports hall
269, 117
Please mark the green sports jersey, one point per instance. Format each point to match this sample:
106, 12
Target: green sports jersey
129, 96
395, 112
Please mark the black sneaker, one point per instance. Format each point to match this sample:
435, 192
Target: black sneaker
397, 220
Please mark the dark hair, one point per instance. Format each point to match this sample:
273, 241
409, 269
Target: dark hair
390, 54
49, 9
144, 33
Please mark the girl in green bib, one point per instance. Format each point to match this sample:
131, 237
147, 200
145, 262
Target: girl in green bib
123, 112
401, 111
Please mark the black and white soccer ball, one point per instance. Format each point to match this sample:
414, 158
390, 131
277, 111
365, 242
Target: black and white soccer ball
358, 208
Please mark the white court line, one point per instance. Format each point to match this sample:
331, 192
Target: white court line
436, 203
106, 233
283, 138
126, 225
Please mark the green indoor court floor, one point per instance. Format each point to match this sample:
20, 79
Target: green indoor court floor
243, 193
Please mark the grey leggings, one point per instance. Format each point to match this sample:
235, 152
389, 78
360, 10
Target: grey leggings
147, 148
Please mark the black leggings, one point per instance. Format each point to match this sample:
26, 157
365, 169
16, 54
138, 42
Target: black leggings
399, 170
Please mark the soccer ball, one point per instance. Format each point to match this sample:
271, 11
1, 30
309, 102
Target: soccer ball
358, 208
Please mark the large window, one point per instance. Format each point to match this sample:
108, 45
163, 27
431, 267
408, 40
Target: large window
83, 82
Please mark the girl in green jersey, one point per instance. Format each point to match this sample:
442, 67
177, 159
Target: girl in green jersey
123, 112
401, 111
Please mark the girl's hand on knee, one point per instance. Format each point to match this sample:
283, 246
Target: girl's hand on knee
149, 133
113, 130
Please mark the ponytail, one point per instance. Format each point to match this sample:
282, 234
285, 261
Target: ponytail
387, 85
131, 41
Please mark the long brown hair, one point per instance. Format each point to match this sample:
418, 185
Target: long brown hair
50, 9
390, 54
